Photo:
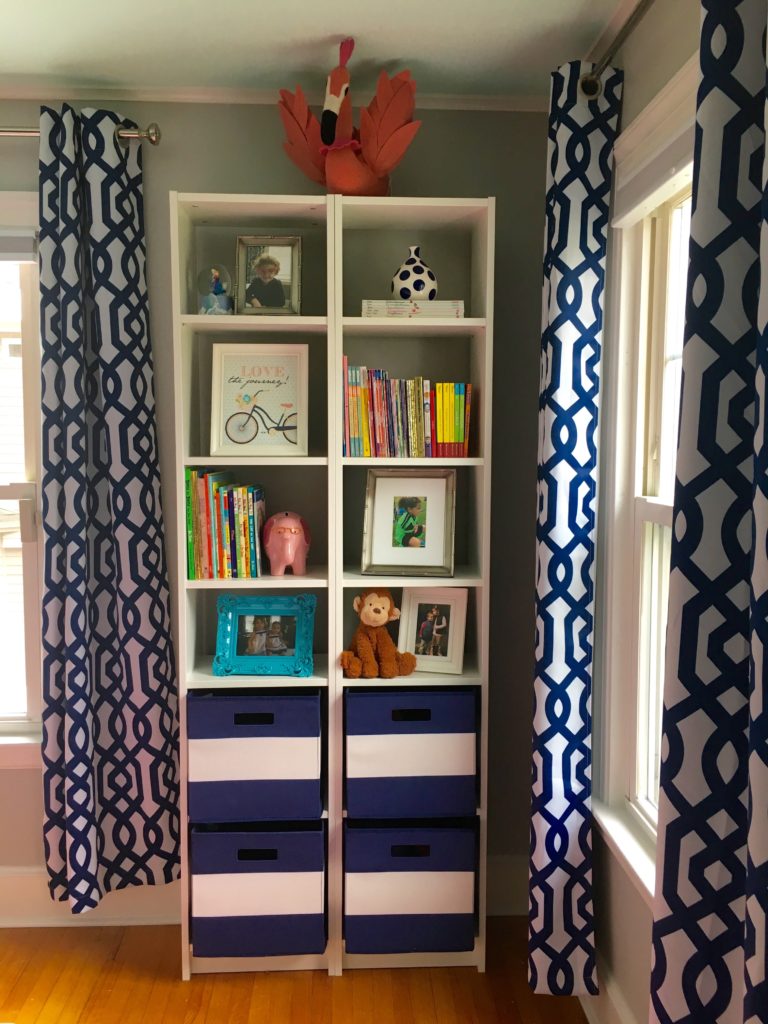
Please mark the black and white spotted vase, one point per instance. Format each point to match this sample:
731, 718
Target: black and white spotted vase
414, 279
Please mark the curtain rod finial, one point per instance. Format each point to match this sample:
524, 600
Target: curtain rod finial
590, 86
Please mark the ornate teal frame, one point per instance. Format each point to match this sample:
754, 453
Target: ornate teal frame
228, 662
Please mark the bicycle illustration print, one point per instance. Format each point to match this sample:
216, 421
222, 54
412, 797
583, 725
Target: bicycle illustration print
243, 427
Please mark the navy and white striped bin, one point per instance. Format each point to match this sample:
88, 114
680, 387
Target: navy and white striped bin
409, 890
258, 893
254, 757
411, 754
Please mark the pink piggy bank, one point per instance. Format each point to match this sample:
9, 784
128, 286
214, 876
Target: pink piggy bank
286, 542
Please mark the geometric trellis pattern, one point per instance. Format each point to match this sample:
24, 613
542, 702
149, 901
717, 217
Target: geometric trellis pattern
109, 709
709, 933
579, 172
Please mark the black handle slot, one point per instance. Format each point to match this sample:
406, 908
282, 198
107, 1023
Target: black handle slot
411, 714
266, 854
255, 718
411, 850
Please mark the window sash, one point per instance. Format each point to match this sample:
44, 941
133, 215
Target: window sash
26, 492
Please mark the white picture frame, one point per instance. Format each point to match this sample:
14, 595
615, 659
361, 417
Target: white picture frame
442, 648
259, 399
403, 539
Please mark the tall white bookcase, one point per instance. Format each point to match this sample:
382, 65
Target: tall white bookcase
351, 247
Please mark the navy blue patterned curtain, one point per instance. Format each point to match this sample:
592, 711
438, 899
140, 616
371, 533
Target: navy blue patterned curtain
709, 933
580, 165
109, 718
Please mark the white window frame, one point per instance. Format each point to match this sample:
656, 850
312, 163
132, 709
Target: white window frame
19, 736
653, 163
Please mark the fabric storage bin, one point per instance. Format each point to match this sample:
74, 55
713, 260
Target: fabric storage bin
409, 889
258, 893
253, 757
411, 754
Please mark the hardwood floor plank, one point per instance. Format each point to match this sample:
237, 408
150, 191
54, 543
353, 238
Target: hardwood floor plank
131, 976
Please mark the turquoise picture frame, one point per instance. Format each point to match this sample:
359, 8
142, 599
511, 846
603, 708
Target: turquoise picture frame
265, 636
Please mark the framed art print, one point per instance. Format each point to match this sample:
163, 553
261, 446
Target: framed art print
432, 626
259, 399
409, 522
265, 636
268, 274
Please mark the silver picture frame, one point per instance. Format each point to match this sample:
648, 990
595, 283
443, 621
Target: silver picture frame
386, 547
286, 250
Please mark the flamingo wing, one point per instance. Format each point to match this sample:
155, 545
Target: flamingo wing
302, 131
387, 127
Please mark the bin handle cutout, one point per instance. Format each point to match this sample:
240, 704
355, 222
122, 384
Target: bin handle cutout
257, 854
411, 850
411, 714
255, 718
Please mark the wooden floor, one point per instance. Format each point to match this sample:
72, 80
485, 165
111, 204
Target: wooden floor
131, 976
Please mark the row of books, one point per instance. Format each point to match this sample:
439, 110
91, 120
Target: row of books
394, 418
224, 522
450, 308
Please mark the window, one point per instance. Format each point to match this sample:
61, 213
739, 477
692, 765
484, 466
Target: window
665, 234
648, 304
19, 444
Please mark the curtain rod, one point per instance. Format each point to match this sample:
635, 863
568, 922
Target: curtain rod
590, 83
151, 133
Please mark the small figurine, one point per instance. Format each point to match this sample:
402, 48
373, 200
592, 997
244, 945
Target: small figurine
372, 653
214, 286
286, 542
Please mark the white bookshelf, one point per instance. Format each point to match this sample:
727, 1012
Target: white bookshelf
351, 246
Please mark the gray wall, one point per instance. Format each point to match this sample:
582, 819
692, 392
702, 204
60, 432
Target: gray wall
238, 149
663, 41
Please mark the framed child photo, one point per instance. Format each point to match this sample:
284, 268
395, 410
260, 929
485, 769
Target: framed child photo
259, 399
409, 522
432, 626
268, 275
265, 636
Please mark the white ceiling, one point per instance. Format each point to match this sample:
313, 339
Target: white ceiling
461, 48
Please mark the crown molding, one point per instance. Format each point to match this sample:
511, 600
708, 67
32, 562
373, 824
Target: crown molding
251, 97
608, 34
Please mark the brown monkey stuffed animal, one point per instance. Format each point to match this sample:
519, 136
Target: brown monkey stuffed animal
372, 653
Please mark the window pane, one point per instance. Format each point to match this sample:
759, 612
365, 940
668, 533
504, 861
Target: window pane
13, 692
657, 542
11, 383
679, 236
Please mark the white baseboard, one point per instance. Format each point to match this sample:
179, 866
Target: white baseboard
610, 1007
26, 903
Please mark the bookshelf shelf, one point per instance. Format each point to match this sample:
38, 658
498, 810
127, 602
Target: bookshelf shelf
399, 463
251, 324
216, 461
201, 677
350, 248
315, 577
410, 327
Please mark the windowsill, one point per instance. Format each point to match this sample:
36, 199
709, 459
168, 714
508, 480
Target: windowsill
630, 846
20, 745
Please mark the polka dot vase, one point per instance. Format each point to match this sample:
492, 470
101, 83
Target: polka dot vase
414, 279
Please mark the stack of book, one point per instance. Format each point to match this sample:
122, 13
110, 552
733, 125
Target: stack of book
392, 418
224, 521
451, 308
